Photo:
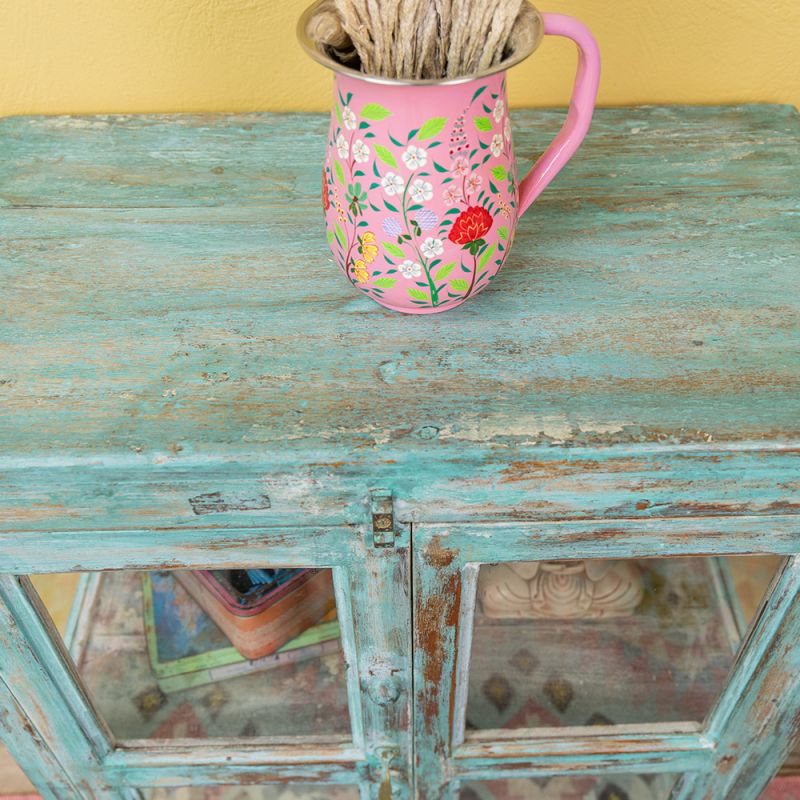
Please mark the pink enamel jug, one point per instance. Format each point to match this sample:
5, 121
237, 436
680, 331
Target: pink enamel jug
419, 186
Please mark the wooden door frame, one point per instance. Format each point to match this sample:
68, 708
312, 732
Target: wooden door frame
51, 727
65, 744
732, 755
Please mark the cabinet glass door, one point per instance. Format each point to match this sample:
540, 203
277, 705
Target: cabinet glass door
279, 659
209, 654
603, 643
527, 668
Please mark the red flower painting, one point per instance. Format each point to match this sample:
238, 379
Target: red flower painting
326, 195
471, 225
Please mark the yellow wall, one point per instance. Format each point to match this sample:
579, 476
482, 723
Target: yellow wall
61, 56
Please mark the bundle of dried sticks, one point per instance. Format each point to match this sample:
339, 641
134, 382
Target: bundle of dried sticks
424, 39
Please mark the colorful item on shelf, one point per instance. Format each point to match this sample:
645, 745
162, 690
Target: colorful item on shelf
259, 622
186, 647
267, 577
111, 652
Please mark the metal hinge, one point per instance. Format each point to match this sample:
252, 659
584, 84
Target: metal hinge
382, 510
388, 764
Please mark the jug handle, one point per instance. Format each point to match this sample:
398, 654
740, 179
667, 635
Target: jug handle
581, 108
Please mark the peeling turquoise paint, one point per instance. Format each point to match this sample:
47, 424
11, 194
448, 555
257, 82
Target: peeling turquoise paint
171, 329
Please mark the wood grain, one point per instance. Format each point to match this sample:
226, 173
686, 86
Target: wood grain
185, 380
170, 309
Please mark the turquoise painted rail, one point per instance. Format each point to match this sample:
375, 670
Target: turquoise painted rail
172, 330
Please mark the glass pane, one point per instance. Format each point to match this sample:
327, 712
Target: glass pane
206, 654
295, 792
608, 642
750, 576
577, 787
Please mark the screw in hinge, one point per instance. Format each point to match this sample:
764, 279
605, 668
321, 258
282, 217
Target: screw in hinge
382, 509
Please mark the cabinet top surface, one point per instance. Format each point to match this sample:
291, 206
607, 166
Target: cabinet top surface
167, 290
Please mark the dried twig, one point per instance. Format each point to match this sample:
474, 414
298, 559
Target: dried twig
423, 38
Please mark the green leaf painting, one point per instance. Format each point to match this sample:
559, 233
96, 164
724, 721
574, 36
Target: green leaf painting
502, 232
393, 250
431, 128
375, 111
499, 172
384, 283
340, 235
459, 285
479, 92
483, 123
385, 155
417, 294
337, 168
485, 257
445, 270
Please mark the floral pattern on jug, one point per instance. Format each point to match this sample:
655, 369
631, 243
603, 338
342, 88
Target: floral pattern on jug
421, 217
420, 186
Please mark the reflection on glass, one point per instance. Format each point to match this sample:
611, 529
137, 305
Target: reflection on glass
57, 592
608, 642
578, 787
750, 577
202, 654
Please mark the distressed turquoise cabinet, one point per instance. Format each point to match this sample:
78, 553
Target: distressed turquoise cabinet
505, 494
